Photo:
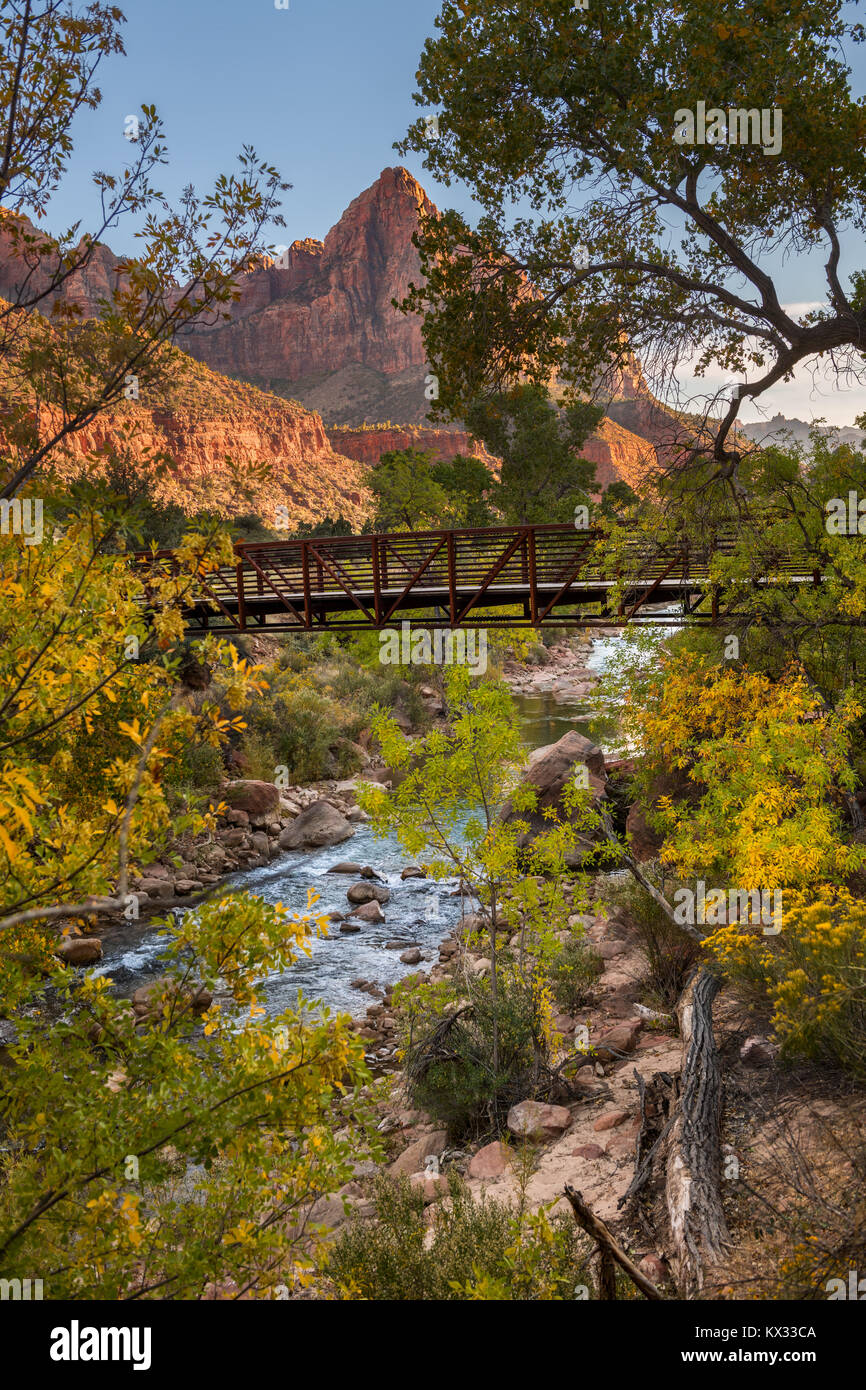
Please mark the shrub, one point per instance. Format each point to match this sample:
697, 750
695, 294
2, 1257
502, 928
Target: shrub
300, 728
573, 973
814, 973
449, 1053
670, 955
478, 1249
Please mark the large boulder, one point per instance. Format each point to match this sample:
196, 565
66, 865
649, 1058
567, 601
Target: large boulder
320, 824
491, 1161
548, 772
367, 892
260, 800
619, 1041
533, 1119
645, 842
368, 912
677, 786
79, 950
412, 1159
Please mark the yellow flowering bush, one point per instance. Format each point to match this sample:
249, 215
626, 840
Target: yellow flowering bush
814, 973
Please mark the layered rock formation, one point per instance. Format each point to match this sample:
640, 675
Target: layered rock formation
367, 444
319, 331
230, 448
330, 309
323, 329
28, 266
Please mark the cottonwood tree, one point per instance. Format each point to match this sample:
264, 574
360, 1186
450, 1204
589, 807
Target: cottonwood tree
633, 242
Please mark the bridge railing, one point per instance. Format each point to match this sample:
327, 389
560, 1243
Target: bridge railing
371, 578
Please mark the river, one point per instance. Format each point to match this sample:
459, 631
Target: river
420, 912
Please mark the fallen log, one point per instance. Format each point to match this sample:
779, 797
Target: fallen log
699, 1232
608, 1247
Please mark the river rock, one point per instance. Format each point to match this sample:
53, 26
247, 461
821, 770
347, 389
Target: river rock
413, 871
79, 950
619, 1041
592, 1152
366, 892
319, 825
258, 799
533, 1119
146, 1001
411, 956
260, 843
369, 912
156, 887
611, 1120
345, 866
234, 839
349, 927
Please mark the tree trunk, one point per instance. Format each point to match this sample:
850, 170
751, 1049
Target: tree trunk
698, 1228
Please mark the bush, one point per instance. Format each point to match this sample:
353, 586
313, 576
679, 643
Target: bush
479, 1250
301, 729
814, 974
573, 973
449, 1053
670, 954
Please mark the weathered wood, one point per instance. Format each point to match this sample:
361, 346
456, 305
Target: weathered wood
604, 1239
605, 1274
699, 1231
657, 1109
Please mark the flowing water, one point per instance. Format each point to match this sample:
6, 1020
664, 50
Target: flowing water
420, 912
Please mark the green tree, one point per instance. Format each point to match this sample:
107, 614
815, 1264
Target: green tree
665, 248
407, 498
542, 477
468, 486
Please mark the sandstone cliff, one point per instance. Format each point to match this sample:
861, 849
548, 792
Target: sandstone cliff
229, 448
367, 444
331, 308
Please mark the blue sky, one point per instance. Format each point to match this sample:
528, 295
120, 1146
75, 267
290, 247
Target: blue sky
322, 90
